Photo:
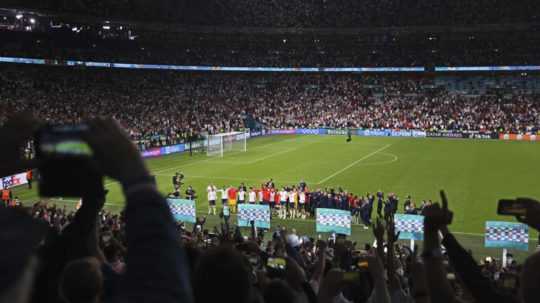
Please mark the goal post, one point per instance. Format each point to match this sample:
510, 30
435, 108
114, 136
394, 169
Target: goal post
219, 144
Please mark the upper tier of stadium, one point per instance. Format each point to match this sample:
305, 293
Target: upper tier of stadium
300, 13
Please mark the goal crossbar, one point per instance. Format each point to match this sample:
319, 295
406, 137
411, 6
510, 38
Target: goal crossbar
219, 144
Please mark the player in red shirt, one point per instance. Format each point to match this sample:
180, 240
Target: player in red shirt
266, 195
231, 193
277, 203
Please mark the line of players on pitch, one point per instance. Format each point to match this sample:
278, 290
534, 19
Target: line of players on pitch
290, 202
297, 201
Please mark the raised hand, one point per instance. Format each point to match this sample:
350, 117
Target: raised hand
391, 235
437, 217
378, 232
115, 153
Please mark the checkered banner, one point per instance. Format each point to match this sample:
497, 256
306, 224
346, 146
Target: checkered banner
253, 212
507, 235
182, 210
410, 227
333, 221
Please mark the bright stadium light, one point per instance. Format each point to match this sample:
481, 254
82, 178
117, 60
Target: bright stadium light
19, 16
107, 27
32, 21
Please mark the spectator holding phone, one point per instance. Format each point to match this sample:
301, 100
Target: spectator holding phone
149, 223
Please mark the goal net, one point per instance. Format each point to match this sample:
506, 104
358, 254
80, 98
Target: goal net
219, 144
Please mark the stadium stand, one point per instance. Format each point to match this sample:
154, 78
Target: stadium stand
163, 108
141, 254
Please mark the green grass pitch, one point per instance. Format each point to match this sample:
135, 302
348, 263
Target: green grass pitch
474, 173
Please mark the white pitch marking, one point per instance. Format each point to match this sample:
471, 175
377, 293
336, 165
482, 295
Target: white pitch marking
394, 159
268, 156
354, 163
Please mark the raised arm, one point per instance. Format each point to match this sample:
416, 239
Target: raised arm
157, 270
81, 235
467, 269
435, 217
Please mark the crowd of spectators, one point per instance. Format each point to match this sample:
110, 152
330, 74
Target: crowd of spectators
142, 255
334, 269
161, 108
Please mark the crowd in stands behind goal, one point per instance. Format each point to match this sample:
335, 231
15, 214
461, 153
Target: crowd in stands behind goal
164, 108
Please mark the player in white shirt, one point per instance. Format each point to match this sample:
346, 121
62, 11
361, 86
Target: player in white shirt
283, 196
293, 195
272, 197
260, 197
252, 196
223, 193
302, 204
212, 197
241, 196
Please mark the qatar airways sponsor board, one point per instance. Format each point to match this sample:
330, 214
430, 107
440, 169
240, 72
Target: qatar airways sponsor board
446, 135
12, 181
462, 135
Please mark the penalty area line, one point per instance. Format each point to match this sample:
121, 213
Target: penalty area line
354, 163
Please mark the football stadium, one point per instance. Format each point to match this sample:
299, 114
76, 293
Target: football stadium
473, 173
269, 151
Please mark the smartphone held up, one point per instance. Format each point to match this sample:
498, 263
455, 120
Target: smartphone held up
510, 207
65, 160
